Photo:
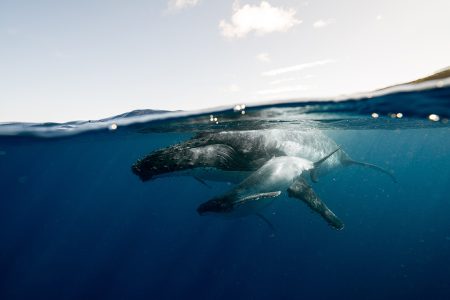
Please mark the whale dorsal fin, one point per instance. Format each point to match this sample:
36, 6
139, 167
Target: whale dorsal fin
256, 197
317, 164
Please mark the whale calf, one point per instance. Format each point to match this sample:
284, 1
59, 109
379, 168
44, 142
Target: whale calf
263, 163
279, 175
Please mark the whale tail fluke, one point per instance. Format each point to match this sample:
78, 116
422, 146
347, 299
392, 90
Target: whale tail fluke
271, 226
371, 166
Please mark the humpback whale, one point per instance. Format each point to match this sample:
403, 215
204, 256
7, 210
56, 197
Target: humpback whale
279, 174
263, 163
206, 155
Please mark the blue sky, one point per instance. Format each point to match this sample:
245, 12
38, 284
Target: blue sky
70, 60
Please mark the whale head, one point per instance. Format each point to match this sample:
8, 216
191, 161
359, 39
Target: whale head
217, 205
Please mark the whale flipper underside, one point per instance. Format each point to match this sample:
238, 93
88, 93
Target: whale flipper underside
301, 190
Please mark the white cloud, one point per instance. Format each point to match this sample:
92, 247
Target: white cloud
290, 79
286, 89
263, 57
297, 67
283, 80
60, 54
233, 88
323, 23
11, 31
261, 19
181, 4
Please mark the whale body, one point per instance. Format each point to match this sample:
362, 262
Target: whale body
263, 163
279, 175
207, 155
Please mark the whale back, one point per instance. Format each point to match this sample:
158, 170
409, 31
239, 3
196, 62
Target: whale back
311, 145
239, 151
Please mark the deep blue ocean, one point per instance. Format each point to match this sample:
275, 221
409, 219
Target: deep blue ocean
76, 223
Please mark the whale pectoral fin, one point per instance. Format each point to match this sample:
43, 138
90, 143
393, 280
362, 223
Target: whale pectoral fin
257, 197
319, 162
349, 161
301, 190
314, 173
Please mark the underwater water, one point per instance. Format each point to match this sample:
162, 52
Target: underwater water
76, 223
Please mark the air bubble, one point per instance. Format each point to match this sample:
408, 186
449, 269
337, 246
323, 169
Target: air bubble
433, 117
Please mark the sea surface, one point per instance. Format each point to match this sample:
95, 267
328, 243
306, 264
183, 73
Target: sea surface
76, 223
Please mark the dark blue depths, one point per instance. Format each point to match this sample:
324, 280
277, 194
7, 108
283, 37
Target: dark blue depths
75, 223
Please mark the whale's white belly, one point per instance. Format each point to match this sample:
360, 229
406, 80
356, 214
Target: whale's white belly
274, 177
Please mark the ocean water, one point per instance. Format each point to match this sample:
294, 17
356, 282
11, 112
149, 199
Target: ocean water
76, 223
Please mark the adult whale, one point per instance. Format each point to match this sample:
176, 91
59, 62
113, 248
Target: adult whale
266, 162
207, 155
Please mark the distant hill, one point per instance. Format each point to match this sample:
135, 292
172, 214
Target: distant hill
135, 113
442, 74
445, 73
